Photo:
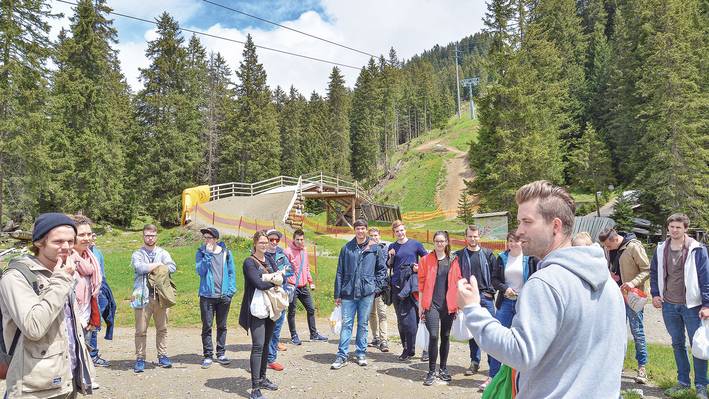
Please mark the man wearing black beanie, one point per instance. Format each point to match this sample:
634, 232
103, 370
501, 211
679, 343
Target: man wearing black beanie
37, 301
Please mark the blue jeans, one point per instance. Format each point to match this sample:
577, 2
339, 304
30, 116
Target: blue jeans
638, 331
487, 303
678, 318
504, 314
273, 351
362, 307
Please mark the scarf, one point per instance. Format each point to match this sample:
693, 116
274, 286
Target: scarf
87, 275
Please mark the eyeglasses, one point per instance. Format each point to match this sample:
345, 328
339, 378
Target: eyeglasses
274, 239
440, 242
208, 237
262, 243
150, 235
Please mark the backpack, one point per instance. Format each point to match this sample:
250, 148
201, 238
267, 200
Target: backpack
5, 355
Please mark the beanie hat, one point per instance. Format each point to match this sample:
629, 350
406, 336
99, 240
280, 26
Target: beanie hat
48, 221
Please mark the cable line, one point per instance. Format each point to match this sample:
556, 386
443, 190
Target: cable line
290, 29
230, 40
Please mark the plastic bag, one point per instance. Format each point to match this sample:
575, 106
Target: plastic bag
460, 330
636, 299
422, 337
700, 341
502, 385
336, 320
258, 306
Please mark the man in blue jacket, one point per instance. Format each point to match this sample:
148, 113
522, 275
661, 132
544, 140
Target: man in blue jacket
217, 285
361, 273
277, 256
679, 284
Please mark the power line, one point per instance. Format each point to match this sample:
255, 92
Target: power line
289, 28
229, 39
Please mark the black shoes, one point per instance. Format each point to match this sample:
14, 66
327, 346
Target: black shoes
430, 378
265, 383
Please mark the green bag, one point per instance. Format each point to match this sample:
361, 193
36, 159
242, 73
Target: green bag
501, 385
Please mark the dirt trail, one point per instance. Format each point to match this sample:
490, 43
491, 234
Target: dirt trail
457, 170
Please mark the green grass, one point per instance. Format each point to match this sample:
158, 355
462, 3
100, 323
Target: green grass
415, 185
661, 367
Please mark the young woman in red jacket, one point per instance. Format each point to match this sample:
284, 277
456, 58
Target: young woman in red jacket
438, 277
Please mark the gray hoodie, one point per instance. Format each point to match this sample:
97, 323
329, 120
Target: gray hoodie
568, 337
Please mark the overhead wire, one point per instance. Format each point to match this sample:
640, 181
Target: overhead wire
229, 39
289, 28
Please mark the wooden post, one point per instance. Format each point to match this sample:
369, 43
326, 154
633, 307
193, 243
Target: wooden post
354, 214
241, 218
428, 233
212, 217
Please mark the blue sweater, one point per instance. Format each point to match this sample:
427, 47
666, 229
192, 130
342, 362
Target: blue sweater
203, 268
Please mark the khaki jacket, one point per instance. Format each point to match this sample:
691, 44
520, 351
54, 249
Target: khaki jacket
41, 365
634, 264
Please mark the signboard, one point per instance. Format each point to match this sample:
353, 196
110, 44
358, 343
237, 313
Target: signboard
470, 81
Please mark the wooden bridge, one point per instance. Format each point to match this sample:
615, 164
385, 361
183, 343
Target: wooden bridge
344, 200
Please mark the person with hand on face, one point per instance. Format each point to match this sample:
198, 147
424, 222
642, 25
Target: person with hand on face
217, 286
144, 301
302, 280
555, 337
261, 330
479, 262
438, 277
38, 305
679, 285
404, 253
361, 274
512, 270
378, 317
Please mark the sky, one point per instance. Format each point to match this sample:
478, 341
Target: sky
372, 26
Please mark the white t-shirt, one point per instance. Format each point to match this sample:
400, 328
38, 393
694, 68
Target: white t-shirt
514, 272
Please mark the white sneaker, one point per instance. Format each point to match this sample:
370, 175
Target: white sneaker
95, 385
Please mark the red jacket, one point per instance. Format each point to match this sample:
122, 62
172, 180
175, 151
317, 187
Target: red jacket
428, 267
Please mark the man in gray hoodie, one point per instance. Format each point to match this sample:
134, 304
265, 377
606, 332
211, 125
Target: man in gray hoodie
568, 337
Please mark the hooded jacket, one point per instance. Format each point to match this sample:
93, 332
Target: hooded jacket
41, 365
203, 260
696, 274
360, 271
570, 315
632, 261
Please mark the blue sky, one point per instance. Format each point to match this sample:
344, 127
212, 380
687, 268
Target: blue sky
410, 26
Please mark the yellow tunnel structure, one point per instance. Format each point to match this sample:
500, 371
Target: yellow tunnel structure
190, 198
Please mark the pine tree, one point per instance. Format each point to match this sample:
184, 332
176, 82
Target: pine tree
465, 208
292, 121
196, 85
315, 144
92, 111
220, 102
338, 131
24, 156
590, 163
166, 152
254, 142
364, 130
623, 214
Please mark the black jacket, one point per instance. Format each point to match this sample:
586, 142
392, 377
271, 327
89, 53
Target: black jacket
252, 281
466, 272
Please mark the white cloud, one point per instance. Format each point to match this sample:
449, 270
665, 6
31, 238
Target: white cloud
369, 25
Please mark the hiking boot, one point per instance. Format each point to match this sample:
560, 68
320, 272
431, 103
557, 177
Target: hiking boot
275, 366
339, 363
265, 383
424, 356
444, 375
164, 362
641, 377
484, 385
677, 390
473, 369
375, 343
98, 362
318, 337
404, 357
207, 362
361, 360
430, 378
295, 340
139, 366
282, 347
223, 360
384, 346
701, 392
256, 394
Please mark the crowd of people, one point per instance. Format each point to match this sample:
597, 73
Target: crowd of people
549, 306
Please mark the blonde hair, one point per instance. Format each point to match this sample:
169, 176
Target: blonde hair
582, 239
554, 202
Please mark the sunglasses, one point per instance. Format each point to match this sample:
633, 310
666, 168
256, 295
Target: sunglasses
274, 239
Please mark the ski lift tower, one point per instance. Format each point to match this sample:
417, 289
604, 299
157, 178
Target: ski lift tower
469, 83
